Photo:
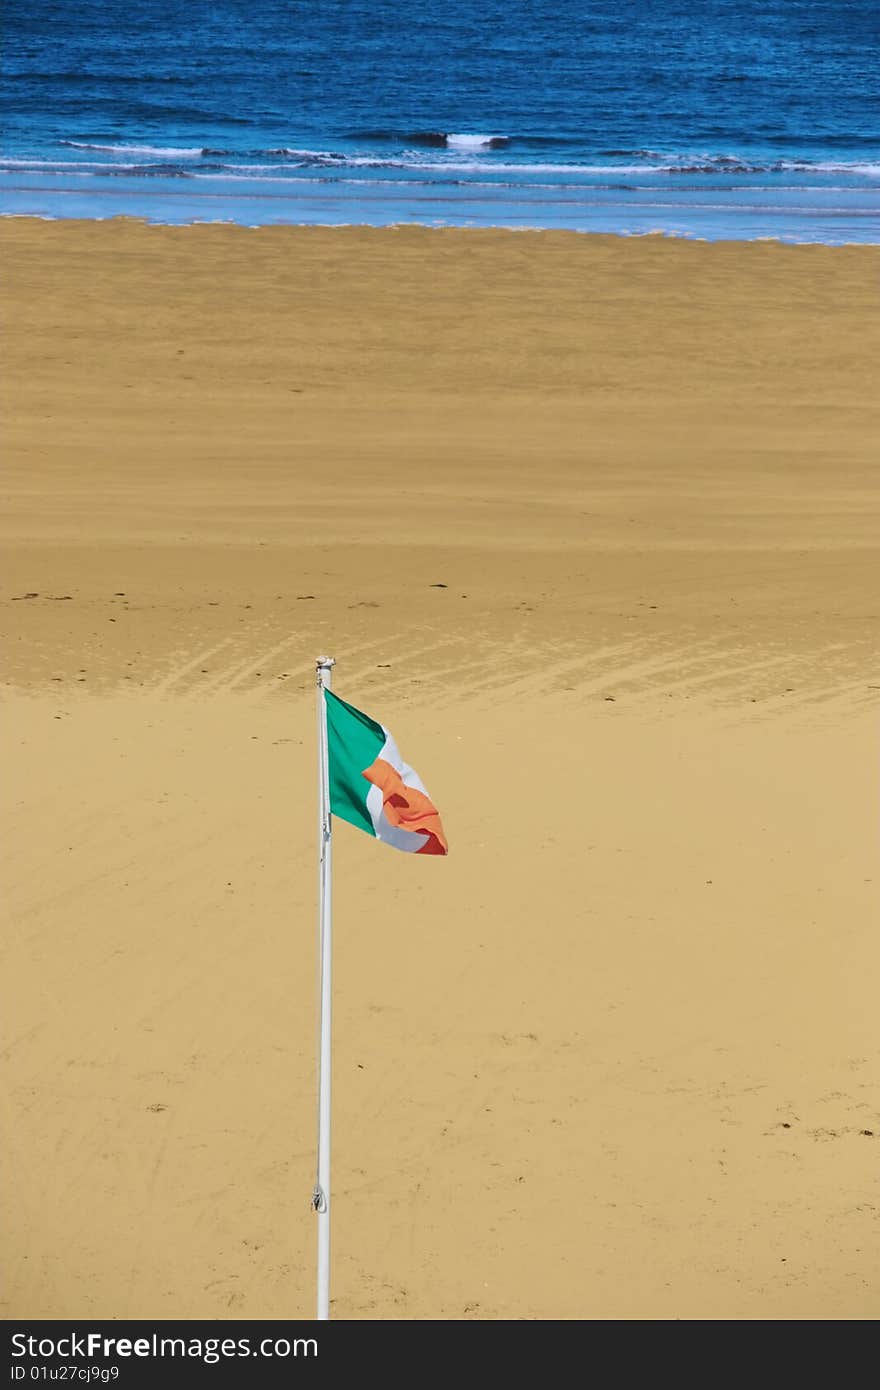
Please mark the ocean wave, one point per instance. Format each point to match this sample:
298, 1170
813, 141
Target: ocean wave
160, 151
505, 178
858, 166
48, 165
476, 142
466, 160
433, 139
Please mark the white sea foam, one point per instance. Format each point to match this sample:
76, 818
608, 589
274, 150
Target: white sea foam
869, 167
250, 169
473, 142
50, 164
163, 151
472, 166
294, 153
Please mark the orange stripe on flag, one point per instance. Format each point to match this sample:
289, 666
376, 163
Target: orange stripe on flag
407, 807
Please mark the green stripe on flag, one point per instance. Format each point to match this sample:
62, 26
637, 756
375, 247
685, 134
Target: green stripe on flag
354, 742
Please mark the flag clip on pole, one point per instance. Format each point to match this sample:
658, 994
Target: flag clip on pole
321, 1193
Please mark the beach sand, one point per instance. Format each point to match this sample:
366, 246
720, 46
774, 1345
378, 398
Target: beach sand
592, 525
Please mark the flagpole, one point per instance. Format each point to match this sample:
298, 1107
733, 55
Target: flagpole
321, 1194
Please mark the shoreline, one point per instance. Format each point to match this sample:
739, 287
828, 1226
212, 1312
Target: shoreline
659, 234
831, 205
394, 227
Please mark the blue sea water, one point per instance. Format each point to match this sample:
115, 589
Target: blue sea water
703, 118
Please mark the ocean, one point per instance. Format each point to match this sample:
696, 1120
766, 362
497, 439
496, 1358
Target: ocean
715, 119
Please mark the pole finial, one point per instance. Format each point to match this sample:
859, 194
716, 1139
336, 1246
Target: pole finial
325, 663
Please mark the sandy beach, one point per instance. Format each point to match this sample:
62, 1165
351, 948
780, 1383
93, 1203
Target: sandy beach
592, 525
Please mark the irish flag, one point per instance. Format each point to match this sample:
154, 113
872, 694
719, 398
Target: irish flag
373, 788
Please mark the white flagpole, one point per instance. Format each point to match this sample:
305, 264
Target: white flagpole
321, 1193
